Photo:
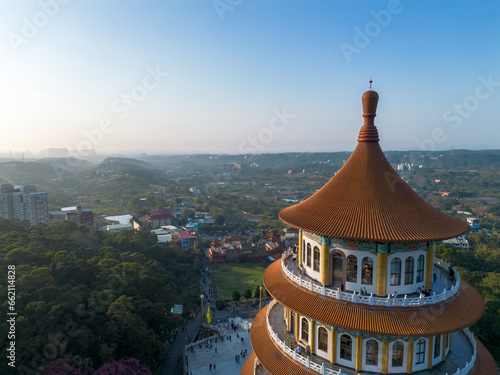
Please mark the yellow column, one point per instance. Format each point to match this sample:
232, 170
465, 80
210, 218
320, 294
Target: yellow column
287, 318
385, 356
297, 326
409, 357
333, 346
429, 353
444, 337
381, 284
359, 352
325, 264
429, 267
312, 341
301, 249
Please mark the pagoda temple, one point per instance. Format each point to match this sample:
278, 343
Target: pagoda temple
363, 293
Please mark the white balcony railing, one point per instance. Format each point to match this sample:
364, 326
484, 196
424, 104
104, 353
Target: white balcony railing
321, 369
469, 365
306, 361
404, 301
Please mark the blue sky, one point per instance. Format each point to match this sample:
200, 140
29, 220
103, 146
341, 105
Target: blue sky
239, 76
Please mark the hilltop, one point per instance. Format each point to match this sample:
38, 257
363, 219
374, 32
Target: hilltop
249, 190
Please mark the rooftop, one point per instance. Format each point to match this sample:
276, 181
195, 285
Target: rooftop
276, 361
457, 312
367, 200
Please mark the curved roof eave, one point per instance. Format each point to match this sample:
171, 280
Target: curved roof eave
368, 201
449, 316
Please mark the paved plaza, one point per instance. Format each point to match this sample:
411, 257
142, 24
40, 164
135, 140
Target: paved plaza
220, 352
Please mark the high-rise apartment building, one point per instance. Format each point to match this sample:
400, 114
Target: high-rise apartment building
23, 203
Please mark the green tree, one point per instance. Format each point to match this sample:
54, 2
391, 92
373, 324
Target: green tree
104, 296
256, 292
187, 213
247, 294
220, 305
236, 295
219, 220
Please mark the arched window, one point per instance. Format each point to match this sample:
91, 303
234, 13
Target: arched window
409, 264
398, 350
308, 255
316, 258
420, 268
338, 269
305, 330
437, 346
372, 352
303, 252
367, 271
346, 347
396, 271
323, 339
420, 352
352, 269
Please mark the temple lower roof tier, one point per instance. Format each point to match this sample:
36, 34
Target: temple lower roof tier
449, 316
275, 361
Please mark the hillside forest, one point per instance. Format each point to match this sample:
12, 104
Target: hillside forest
92, 297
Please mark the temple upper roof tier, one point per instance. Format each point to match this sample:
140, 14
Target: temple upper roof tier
368, 201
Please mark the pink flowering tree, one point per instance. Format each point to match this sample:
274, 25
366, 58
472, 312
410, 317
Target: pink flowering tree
61, 367
128, 366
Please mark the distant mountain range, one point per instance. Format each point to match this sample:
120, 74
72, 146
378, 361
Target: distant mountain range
48, 170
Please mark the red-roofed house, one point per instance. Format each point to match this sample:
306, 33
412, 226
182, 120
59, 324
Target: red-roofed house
155, 219
274, 250
187, 238
80, 216
216, 256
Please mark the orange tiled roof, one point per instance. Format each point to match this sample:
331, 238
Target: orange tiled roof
249, 365
368, 201
277, 363
452, 315
484, 364
270, 356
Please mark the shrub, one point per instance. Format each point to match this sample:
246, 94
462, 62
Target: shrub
220, 305
256, 292
236, 295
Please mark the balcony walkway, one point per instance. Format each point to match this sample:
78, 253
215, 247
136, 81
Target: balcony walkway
460, 353
439, 284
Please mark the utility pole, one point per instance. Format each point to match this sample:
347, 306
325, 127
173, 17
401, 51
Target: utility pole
260, 298
201, 315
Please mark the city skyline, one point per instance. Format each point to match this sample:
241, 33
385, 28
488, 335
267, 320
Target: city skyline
237, 77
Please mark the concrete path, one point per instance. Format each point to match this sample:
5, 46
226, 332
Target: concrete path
174, 361
173, 366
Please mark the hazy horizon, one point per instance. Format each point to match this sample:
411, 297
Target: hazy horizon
27, 155
236, 77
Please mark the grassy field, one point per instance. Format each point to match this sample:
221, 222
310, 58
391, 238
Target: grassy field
227, 277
